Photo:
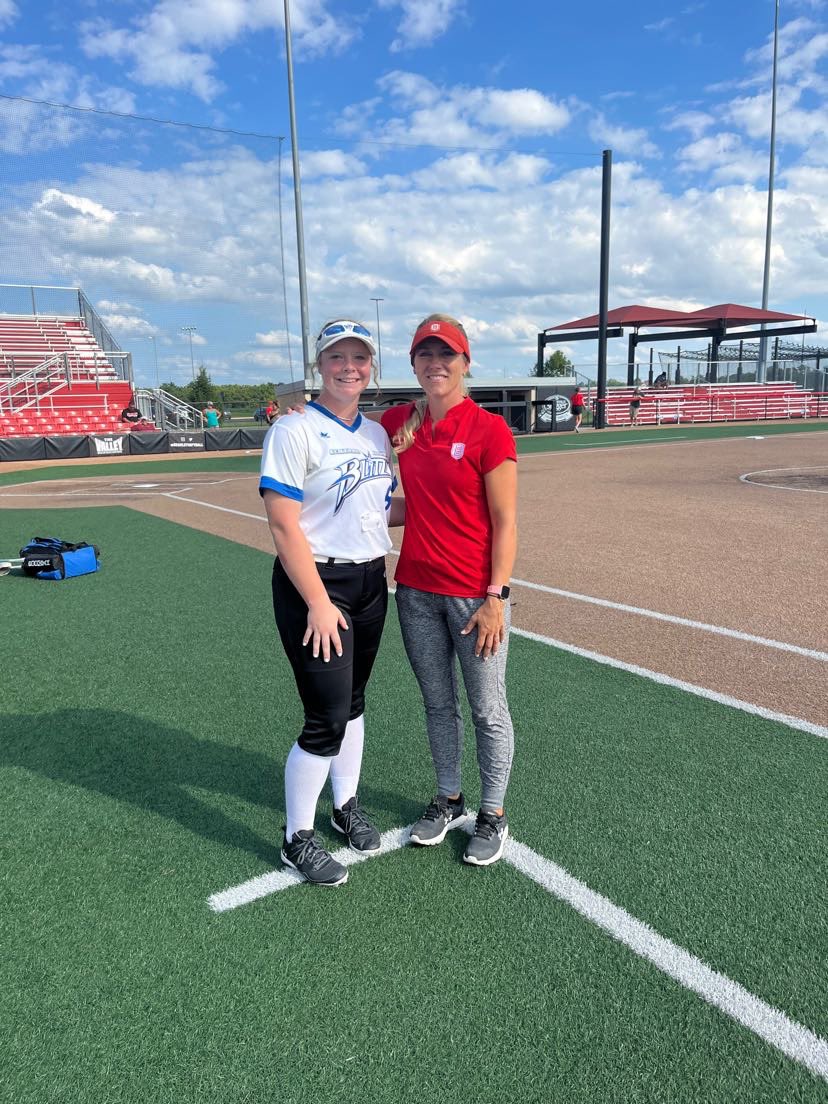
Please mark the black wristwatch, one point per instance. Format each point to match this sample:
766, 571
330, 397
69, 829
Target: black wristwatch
501, 592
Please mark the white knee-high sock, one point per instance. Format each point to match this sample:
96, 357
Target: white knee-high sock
305, 777
345, 766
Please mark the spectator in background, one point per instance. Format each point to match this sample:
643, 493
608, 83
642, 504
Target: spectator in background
271, 412
635, 405
211, 416
660, 380
131, 413
577, 404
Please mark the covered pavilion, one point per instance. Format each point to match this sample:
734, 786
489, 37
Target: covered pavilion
712, 323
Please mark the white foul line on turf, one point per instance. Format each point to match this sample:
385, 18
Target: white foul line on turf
794, 1040
685, 622
655, 676
672, 619
769, 1023
212, 506
276, 880
666, 680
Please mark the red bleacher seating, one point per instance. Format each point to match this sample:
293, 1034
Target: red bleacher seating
715, 403
92, 403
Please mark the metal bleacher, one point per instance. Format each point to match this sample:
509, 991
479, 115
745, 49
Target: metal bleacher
56, 376
715, 403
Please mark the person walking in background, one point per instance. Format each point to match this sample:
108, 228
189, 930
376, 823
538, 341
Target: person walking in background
577, 404
211, 416
635, 406
458, 470
326, 480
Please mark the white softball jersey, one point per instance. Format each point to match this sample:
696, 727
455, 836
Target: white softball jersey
343, 476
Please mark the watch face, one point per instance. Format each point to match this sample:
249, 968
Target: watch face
505, 592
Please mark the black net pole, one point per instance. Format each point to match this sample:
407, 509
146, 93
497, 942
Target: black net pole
606, 188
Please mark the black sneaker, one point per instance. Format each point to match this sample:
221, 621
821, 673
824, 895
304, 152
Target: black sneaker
352, 822
313, 862
486, 845
442, 814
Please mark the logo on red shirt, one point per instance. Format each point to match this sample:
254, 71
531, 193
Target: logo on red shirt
457, 450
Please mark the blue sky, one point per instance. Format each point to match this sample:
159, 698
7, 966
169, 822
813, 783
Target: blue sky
451, 159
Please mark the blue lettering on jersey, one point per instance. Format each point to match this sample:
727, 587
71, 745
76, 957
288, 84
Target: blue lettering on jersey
354, 472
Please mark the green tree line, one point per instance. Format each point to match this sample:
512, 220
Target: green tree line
201, 390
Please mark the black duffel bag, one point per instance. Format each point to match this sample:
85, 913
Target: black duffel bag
50, 558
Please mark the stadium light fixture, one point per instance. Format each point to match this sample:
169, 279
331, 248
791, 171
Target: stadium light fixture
190, 330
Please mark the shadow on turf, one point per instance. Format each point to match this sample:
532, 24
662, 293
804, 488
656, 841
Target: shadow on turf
133, 760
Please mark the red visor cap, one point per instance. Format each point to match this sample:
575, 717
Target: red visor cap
453, 337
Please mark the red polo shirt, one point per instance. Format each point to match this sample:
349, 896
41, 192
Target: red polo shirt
447, 543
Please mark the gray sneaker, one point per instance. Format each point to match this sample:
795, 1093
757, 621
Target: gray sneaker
312, 861
486, 845
441, 815
353, 823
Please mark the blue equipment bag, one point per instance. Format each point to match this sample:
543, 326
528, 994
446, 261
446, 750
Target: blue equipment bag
50, 558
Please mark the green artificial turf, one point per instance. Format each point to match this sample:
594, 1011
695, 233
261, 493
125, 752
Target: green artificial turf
146, 714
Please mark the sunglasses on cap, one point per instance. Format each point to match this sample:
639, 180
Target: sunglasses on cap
344, 328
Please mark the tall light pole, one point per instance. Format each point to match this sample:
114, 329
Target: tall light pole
190, 330
760, 364
155, 351
297, 202
379, 338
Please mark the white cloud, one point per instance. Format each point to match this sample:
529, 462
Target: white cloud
622, 140
330, 163
422, 21
124, 308
172, 45
272, 337
62, 205
695, 122
522, 111
434, 115
8, 12
262, 358
471, 170
29, 72
128, 326
722, 157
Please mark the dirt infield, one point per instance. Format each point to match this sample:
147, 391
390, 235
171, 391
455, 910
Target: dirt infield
727, 534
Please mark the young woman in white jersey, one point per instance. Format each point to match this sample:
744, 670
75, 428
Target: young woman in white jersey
326, 481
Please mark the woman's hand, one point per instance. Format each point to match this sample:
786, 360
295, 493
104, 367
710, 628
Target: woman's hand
324, 623
488, 618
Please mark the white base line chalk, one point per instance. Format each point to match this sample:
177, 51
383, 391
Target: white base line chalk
792, 1039
796, 1042
798, 723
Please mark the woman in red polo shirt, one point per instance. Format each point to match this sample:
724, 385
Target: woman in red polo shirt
458, 469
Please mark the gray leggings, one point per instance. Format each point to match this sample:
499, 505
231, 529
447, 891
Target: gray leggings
431, 625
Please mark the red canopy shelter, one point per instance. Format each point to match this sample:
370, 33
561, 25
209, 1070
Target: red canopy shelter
726, 315
710, 322
635, 316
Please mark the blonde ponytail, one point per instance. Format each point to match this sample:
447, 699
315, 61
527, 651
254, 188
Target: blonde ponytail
404, 437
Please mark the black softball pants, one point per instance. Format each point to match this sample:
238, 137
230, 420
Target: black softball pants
333, 693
